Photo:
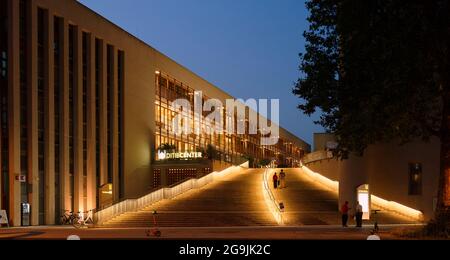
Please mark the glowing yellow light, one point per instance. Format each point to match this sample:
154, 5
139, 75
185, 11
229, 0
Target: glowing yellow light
157, 72
391, 206
270, 199
397, 208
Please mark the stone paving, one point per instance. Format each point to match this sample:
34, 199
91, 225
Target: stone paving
230, 233
309, 203
236, 200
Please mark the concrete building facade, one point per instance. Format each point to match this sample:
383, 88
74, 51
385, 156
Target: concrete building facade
82, 110
405, 174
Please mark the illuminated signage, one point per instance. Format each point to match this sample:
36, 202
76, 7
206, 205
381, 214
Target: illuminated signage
179, 156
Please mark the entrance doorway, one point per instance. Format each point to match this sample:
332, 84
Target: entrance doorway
363, 195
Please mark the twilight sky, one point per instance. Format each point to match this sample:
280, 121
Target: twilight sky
248, 48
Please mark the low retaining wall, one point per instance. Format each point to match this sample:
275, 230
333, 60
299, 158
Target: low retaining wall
317, 156
316, 177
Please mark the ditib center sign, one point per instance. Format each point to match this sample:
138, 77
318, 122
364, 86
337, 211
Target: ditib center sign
162, 156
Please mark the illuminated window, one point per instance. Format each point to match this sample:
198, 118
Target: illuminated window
415, 179
41, 93
98, 85
229, 146
72, 93
120, 92
58, 88
4, 104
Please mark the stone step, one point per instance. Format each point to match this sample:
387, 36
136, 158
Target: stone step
236, 201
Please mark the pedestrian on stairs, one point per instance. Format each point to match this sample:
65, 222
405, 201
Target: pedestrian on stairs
282, 179
275, 180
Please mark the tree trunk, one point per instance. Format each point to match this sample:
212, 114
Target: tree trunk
443, 208
442, 53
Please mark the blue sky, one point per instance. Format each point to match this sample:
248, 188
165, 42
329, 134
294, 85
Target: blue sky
249, 48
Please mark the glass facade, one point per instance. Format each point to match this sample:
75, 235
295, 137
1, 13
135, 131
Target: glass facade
98, 80
85, 65
24, 98
227, 147
41, 104
58, 89
4, 142
110, 109
120, 118
72, 93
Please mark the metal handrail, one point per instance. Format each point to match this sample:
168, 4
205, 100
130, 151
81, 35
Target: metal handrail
271, 201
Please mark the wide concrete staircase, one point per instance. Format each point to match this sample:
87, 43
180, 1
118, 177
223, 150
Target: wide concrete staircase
309, 203
238, 200
235, 200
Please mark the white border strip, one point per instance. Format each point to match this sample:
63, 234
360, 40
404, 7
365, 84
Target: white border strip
270, 200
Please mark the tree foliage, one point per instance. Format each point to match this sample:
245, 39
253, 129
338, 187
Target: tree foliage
166, 147
377, 69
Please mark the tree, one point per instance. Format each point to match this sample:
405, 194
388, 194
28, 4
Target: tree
169, 148
250, 159
212, 153
265, 162
379, 71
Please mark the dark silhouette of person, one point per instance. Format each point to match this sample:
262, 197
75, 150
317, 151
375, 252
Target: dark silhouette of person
359, 215
275, 181
344, 211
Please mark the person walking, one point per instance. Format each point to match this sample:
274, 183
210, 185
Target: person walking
344, 211
275, 180
282, 179
359, 215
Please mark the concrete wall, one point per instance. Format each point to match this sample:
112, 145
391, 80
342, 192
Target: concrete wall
385, 167
352, 174
328, 168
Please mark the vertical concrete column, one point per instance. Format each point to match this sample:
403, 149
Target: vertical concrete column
78, 122
115, 126
14, 112
103, 115
65, 167
91, 128
49, 123
352, 175
32, 72
164, 176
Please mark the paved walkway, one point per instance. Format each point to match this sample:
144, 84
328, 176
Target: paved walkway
201, 233
235, 200
310, 203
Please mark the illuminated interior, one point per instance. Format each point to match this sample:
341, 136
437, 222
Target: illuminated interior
364, 200
228, 147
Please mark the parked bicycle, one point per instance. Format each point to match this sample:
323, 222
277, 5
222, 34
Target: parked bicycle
67, 218
84, 219
78, 220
